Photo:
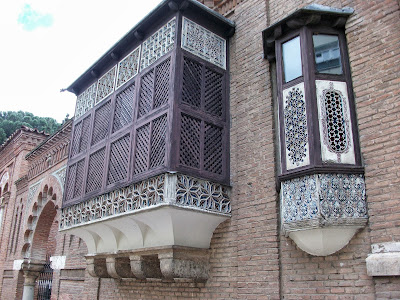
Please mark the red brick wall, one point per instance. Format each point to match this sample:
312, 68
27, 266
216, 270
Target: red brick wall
373, 35
250, 258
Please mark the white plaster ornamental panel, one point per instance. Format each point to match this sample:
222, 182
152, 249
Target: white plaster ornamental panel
128, 67
105, 85
203, 43
337, 145
158, 44
85, 100
60, 175
31, 193
295, 126
4, 180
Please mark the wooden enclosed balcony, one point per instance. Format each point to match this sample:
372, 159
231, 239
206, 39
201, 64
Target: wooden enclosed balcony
149, 159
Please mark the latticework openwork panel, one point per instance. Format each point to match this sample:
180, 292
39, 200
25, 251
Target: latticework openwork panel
213, 97
158, 142
124, 108
203, 43
95, 170
189, 148
76, 139
70, 183
142, 148
128, 67
80, 176
191, 86
158, 44
101, 123
119, 158
146, 93
85, 136
335, 122
85, 100
162, 86
105, 85
213, 149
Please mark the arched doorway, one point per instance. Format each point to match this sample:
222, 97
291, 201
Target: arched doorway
41, 229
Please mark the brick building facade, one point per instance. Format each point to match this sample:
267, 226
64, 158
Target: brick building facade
213, 134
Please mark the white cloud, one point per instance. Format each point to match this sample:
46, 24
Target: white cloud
37, 64
32, 19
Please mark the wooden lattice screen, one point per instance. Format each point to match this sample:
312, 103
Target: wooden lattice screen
172, 116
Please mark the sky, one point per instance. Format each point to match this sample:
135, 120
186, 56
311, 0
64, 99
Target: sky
46, 44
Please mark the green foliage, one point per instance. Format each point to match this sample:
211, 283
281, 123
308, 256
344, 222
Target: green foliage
13, 120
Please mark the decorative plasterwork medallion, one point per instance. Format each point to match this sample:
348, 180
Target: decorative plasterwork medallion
85, 100
334, 121
158, 44
203, 43
295, 126
128, 67
105, 85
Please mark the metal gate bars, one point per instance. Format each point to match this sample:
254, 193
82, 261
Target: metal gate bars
44, 281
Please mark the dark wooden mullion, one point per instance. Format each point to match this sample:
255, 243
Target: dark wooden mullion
202, 143
108, 140
279, 76
171, 145
352, 104
311, 97
134, 127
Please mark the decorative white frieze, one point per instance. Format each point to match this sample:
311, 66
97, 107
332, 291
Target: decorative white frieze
336, 136
166, 210
128, 67
158, 44
85, 100
176, 189
105, 85
60, 175
295, 126
203, 43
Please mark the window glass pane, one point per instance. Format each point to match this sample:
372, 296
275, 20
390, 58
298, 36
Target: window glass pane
327, 54
292, 59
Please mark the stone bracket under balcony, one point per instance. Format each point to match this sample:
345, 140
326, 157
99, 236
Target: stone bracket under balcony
169, 210
166, 263
322, 212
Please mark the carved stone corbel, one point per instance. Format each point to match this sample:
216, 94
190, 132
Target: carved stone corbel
184, 263
97, 267
119, 267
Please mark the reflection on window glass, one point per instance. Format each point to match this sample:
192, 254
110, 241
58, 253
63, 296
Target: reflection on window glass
292, 59
327, 54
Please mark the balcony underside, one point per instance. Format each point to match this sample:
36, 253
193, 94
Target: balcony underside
158, 228
160, 225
